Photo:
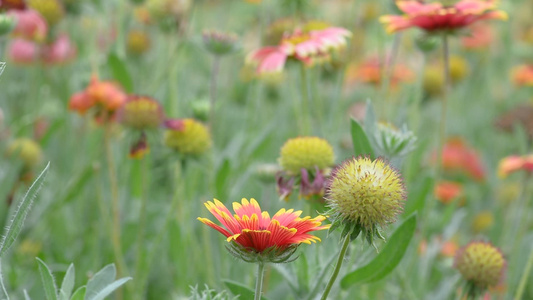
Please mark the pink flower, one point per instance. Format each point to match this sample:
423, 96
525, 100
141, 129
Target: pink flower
434, 16
60, 51
30, 25
307, 47
22, 52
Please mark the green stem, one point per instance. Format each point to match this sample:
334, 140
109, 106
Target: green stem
178, 177
213, 90
115, 205
259, 282
442, 129
306, 112
140, 259
525, 275
337, 267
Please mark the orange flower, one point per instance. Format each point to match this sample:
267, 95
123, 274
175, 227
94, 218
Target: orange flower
436, 17
480, 37
447, 191
523, 75
457, 156
105, 96
515, 163
371, 72
255, 231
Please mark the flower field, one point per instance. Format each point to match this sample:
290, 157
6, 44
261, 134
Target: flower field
266, 149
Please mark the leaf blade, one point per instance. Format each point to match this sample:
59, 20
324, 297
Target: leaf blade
19, 216
385, 262
49, 284
361, 144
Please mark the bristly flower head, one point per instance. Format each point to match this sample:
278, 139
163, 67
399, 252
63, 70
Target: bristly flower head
255, 236
220, 43
364, 195
27, 150
435, 17
141, 112
307, 153
482, 266
190, 137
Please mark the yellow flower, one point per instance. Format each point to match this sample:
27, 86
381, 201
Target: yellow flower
26, 150
365, 193
306, 153
433, 81
138, 42
482, 221
51, 10
481, 264
193, 139
459, 68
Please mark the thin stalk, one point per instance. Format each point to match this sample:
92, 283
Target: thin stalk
306, 112
442, 129
213, 90
525, 275
337, 267
115, 205
140, 259
388, 71
259, 282
178, 177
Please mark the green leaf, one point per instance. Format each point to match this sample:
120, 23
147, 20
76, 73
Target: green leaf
387, 259
100, 280
418, 198
106, 291
361, 144
120, 72
17, 221
3, 292
49, 284
68, 283
79, 294
221, 177
241, 290
76, 187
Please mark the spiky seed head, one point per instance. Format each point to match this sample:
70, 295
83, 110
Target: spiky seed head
481, 264
365, 193
26, 150
141, 112
138, 42
194, 139
306, 153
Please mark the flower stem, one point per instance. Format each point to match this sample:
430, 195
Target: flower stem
141, 257
337, 267
115, 205
525, 275
442, 129
259, 282
306, 112
213, 90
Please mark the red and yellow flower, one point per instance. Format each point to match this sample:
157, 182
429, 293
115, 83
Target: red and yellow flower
436, 17
457, 156
515, 163
306, 46
256, 232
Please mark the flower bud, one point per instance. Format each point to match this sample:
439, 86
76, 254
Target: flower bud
306, 153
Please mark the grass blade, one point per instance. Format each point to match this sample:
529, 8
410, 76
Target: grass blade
17, 221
